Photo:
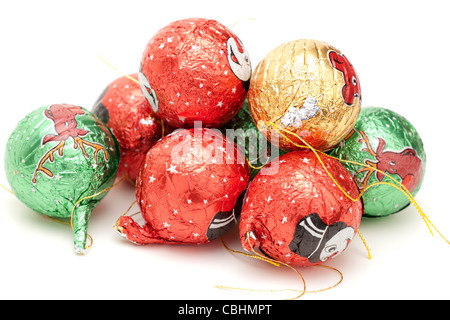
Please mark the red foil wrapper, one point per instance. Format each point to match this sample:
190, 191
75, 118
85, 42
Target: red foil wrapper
296, 214
195, 70
124, 109
190, 189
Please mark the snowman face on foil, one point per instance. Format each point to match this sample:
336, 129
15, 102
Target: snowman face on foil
317, 241
239, 60
147, 90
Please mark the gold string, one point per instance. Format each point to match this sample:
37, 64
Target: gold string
127, 177
271, 261
399, 185
289, 266
330, 287
91, 240
116, 227
365, 244
125, 75
10, 191
91, 196
259, 257
161, 121
257, 168
277, 263
316, 152
56, 220
94, 195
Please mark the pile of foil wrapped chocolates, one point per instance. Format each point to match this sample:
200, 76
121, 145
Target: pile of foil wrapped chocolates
285, 151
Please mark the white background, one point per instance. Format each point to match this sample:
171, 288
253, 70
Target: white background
49, 54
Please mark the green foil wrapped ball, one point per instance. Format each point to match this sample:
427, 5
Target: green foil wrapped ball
383, 140
58, 155
243, 131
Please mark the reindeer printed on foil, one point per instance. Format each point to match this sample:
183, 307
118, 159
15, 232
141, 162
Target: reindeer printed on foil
64, 118
351, 89
404, 163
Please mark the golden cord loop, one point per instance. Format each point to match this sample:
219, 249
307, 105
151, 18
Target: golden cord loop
92, 196
256, 168
74, 207
258, 256
116, 225
91, 240
88, 197
277, 263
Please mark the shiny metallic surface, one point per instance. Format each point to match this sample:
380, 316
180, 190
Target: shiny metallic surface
297, 214
309, 88
195, 70
58, 155
189, 189
124, 109
386, 141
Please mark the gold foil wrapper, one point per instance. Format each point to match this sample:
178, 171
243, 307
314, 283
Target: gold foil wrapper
308, 88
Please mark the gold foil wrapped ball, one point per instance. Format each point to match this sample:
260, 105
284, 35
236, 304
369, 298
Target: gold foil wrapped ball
308, 88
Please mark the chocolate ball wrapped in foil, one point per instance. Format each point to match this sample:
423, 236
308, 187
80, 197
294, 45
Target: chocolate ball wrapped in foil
189, 189
195, 70
124, 109
297, 214
59, 160
386, 143
308, 88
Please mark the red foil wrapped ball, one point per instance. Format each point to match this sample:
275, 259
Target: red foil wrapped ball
190, 189
195, 70
124, 109
296, 214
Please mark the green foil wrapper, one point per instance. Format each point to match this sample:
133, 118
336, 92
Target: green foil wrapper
386, 141
243, 131
58, 155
